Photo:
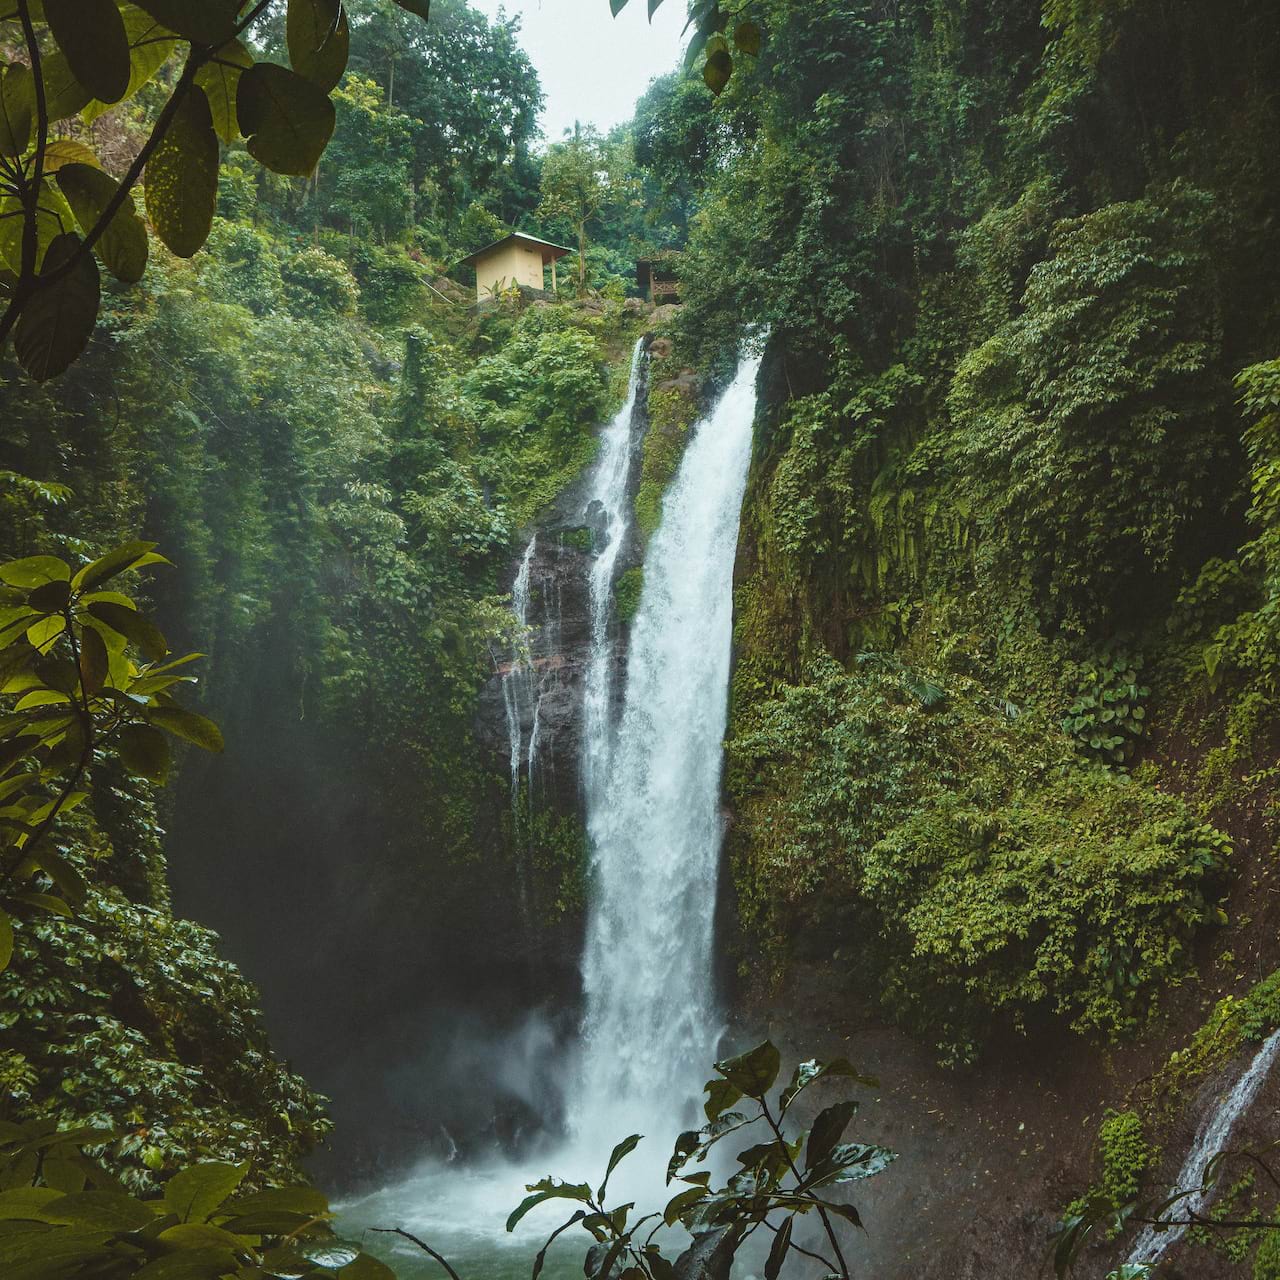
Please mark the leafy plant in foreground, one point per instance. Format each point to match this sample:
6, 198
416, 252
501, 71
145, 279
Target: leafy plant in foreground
778, 1179
60, 210
62, 1215
71, 688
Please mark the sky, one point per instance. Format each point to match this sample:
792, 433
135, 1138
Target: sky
592, 65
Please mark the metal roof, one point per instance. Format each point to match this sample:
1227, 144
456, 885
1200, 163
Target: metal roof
559, 249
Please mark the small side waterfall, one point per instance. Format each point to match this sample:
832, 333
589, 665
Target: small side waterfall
653, 808
607, 511
1212, 1137
518, 681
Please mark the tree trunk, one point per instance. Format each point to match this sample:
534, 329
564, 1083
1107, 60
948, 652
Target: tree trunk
582, 259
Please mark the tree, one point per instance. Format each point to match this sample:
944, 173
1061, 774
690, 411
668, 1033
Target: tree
61, 210
581, 177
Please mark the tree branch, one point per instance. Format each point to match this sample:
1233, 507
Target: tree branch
422, 1244
822, 1212
28, 281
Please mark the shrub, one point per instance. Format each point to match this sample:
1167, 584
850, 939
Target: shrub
1002, 880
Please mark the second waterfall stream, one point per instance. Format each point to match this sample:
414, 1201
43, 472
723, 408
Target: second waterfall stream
651, 773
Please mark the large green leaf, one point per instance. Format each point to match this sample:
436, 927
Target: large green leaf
827, 1131
53, 218
286, 118
64, 94
34, 571
133, 626
194, 728
849, 1163
189, 1264
366, 1268
721, 1095
548, 1190
619, 1153
57, 321
319, 41
16, 108
26, 1202
752, 1072
195, 1192
182, 178
92, 35
210, 22
150, 45
104, 1210
778, 1251
123, 245
144, 751
220, 79
301, 1200
129, 555
420, 7
6, 940
812, 1070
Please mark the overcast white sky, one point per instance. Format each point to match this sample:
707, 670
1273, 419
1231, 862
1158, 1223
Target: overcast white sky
593, 66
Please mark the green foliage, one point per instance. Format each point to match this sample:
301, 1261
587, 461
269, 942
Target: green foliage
581, 178
1088, 416
1107, 717
81, 61
127, 1019
626, 593
1266, 1262
1003, 882
1124, 1157
673, 410
74, 688
61, 1211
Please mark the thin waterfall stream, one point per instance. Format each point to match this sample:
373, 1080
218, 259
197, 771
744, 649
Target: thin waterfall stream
1213, 1136
651, 773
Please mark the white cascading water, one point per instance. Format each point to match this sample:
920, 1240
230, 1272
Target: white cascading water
519, 685
653, 816
607, 503
517, 682
1213, 1136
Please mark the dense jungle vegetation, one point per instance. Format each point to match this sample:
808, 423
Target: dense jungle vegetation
1005, 704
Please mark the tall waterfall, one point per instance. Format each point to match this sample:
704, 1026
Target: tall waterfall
653, 808
1213, 1136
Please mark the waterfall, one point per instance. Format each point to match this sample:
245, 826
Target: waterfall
1213, 1136
653, 807
607, 508
517, 681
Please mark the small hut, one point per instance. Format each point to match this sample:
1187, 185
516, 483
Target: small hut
516, 261
658, 279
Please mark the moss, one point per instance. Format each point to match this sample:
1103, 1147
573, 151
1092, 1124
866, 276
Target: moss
1124, 1157
673, 409
558, 853
1266, 1262
626, 593
579, 539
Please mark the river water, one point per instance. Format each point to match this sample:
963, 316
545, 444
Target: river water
652, 796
